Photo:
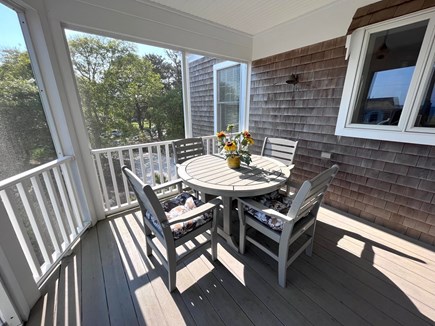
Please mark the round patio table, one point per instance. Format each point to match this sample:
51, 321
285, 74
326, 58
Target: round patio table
211, 175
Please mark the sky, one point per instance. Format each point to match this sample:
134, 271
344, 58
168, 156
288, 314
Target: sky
12, 37
391, 83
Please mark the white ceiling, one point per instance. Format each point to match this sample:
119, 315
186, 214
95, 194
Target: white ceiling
247, 16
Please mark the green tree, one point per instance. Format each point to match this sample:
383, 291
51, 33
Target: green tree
168, 107
92, 57
170, 113
133, 86
121, 90
23, 122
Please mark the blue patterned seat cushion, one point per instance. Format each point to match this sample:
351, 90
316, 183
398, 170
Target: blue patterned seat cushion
275, 201
177, 206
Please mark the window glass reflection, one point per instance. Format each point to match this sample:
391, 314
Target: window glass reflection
426, 114
387, 74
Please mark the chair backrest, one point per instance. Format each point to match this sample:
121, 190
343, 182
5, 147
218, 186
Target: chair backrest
185, 149
279, 148
310, 195
145, 195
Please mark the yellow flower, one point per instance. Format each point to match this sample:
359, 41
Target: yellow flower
250, 140
230, 146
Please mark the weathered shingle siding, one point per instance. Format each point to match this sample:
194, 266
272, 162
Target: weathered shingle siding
386, 9
392, 184
201, 95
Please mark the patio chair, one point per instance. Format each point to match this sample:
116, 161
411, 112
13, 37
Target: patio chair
284, 220
174, 222
281, 149
188, 148
185, 149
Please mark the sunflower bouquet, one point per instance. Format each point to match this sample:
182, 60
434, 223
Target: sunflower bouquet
235, 145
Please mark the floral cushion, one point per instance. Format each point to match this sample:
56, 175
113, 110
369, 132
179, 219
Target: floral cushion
275, 201
177, 206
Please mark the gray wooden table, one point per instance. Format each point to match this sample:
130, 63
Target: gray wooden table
211, 175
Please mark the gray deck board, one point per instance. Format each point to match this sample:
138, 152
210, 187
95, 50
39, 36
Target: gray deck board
246, 299
224, 305
145, 299
353, 279
359, 274
175, 310
69, 289
199, 306
94, 302
274, 302
118, 296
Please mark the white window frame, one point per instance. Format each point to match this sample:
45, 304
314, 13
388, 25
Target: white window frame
242, 95
405, 131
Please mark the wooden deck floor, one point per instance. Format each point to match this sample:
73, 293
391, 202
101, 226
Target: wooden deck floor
358, 275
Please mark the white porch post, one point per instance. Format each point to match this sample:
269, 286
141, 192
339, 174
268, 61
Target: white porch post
20, 290
248, 95
186, 96
58, 85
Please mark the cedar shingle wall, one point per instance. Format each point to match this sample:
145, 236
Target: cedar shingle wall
392, 184
387, 9
201, 95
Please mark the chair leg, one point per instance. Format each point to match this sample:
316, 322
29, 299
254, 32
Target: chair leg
179, 188
282, 263
214, 236
147, 238
309, 249
242, 234
282, 273
172, 270
310, 232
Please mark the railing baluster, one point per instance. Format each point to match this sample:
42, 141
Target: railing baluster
36, 183
103, 181
124, 179
159, 158
142, 165
132, 161
35, 228
21, 233
114, 182
151, 159
55, 203
168, 162
157, 167
65, 201
214, 146
36, 200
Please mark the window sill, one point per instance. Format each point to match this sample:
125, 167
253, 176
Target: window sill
388, 135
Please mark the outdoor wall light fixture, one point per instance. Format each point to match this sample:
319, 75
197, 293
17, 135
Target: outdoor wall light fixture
383, 50
293, 80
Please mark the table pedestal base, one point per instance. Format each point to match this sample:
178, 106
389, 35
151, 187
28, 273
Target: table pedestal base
225, 231
228, 238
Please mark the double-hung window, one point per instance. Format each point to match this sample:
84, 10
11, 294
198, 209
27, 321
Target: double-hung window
389, 91
229, 80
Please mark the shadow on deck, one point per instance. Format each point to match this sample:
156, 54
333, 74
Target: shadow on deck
359, 274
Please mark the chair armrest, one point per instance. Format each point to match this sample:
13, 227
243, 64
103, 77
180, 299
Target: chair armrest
194, 212
167, 184
266, 210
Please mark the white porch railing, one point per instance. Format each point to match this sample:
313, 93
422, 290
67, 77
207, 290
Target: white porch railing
152, 162
42, 206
